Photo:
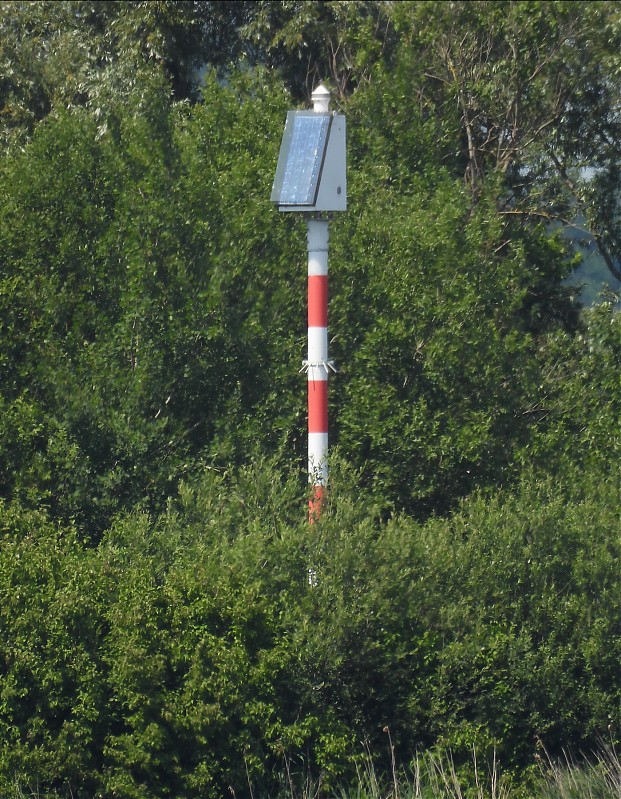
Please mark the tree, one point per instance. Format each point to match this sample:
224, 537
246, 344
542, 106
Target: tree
80, 52
142, 261
523, 93
436, 324
137, 285
579, 402
319, 41
519, 89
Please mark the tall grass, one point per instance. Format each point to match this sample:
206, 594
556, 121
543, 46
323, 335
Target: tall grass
431, 776
601, 779
434, 775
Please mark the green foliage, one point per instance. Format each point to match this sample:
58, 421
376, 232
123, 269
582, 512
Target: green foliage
141, 262
313, 42
523, 569
138, 270
526, 93
191, 652
84, 53
439, 309
579, 407
567, 779
53, 716
170, 625
438, 320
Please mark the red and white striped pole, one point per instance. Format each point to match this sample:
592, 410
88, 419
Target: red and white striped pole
317, 365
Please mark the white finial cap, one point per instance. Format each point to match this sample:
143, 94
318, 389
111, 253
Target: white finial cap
321, 99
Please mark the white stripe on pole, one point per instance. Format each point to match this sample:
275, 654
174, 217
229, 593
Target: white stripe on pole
317, 241
317, 458
318, 262
317, 346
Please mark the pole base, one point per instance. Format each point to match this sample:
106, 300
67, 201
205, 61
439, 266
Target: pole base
315, 503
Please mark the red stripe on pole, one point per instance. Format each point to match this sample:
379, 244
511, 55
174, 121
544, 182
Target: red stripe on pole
317, 406
315, 503
317, 300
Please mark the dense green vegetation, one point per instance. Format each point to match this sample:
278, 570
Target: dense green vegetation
188, 652
159, 636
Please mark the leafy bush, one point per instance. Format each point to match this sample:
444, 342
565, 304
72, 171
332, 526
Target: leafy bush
190, 651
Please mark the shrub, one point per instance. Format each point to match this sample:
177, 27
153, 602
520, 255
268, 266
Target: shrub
190, 652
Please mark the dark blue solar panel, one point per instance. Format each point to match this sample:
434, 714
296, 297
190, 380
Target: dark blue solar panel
301, 157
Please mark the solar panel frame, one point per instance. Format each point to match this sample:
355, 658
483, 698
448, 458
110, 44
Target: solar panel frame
301, 158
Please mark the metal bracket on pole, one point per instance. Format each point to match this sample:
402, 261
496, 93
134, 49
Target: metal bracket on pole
327, 365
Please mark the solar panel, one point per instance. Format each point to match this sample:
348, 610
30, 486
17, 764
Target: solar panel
301, 157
